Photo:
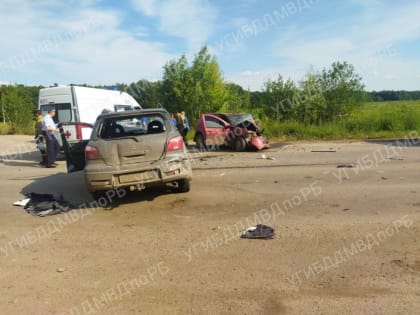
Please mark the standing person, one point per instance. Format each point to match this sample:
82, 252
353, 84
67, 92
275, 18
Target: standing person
186, 127
180, 122
173, 118
39, 138
48, 129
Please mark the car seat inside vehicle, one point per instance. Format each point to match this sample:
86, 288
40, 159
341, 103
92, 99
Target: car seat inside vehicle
112, 130
155, 126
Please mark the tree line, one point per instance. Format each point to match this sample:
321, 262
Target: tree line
381, 96
198, 87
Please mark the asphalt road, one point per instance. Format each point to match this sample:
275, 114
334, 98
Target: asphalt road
346, 216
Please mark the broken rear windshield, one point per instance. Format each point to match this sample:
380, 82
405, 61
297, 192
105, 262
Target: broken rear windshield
235, 119
129, 126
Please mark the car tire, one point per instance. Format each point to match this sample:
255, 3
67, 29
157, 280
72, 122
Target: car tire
183, 185
239, 144
199, 142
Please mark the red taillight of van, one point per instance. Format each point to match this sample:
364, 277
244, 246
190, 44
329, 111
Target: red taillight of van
92, 153
175, 144
79, 132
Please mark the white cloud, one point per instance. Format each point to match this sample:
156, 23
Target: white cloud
250, 73
390, 77
108, 55
192, 20
254, 80
371, 46
85, 45
145, 6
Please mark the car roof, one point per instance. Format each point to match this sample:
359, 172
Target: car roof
227, 114
133, 112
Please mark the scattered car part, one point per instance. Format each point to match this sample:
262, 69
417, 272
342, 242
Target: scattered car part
258, 231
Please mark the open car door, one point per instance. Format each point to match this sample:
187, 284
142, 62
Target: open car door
74, 154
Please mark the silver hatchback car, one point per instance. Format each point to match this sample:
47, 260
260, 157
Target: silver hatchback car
132, 149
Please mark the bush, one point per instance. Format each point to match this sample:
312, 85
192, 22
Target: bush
5, 129
9, 129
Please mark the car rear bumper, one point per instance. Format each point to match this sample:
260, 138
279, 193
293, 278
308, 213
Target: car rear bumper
160, 173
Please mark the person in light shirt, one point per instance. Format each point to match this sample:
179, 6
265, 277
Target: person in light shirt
48, 129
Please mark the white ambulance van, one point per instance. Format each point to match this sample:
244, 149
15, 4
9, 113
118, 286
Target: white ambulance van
77, 107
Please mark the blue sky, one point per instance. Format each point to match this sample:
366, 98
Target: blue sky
104, 41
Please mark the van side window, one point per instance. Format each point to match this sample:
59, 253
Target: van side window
63, 111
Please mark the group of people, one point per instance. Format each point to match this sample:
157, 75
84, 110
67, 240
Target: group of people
181, 122
45, 128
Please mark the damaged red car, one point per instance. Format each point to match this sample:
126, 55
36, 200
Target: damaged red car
237, 131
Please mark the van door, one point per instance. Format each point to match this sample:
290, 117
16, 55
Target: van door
74, 154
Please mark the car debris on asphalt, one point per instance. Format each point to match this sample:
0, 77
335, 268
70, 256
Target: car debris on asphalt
345, 166
258, 231
264, 157
44, 204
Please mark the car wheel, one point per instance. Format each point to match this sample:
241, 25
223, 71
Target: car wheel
239, 144
199, 142
184, 185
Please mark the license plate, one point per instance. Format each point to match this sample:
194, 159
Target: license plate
137, 177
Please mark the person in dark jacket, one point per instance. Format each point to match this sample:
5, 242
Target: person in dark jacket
185, 127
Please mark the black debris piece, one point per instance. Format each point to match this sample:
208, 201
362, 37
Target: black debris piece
258, 231
46, 204
345, 166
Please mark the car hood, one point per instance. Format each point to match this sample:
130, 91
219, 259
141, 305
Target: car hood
250, 125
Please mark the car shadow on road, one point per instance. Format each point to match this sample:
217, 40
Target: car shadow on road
72, 188
26, 159
149, 194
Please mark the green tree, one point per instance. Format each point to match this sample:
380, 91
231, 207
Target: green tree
342, 89
238, 100
208, 92
175, 82
311, 104
279, 98
197, 88
146, 93
16, 107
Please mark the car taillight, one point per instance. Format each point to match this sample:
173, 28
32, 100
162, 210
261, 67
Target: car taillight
92, 153
175, 144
